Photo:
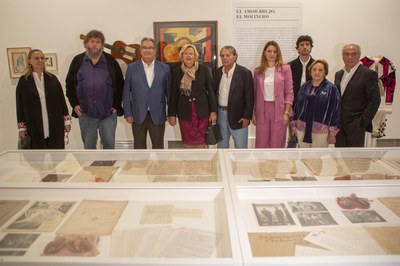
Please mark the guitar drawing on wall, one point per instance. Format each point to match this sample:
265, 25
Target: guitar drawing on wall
119, 50
173, 38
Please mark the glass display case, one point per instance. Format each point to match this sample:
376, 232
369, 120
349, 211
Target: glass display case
316, 206
248, 166
130, 167
200, 207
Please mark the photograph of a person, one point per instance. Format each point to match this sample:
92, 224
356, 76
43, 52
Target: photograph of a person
42, 216
272, 214
315, 218
363, 216
18, 240
311, 213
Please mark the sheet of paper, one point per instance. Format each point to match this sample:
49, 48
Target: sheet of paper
198, 167
392, 203
277, 244
332, 243
42, 216
189, 243
187, 213
68, 167
309, 251
93, 217
18, 241
356, 236
157, 214
265, 169
94, 174
8, 208
140, 167
356, 167
168, 167
388, 238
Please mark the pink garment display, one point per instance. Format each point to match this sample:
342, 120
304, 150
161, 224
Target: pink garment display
386, 74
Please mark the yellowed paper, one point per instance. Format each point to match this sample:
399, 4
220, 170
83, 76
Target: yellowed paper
265, 169
392, 203
8, 208
157, 214
277, 244
200, 167
188, 213
356, 167
94, 217
140, 167
68, 167
96, 174
387, 237
42, 216
171, 167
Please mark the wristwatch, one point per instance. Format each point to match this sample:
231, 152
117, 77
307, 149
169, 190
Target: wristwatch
286, 113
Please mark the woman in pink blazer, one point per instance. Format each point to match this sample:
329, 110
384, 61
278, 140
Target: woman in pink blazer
273, 98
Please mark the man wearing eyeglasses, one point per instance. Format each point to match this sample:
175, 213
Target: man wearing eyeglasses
360, 98
94, 89
146, 92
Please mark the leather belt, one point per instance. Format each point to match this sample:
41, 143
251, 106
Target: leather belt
225, 108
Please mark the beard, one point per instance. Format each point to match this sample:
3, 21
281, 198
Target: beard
94, 55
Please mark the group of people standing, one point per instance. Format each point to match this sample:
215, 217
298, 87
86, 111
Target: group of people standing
276, 96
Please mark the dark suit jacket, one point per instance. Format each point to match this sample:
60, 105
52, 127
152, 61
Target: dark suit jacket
297, 70
241, 95
138, 96
202, 95
360, 100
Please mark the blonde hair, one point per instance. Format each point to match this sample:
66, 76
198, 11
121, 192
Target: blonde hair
28, 69
187, 46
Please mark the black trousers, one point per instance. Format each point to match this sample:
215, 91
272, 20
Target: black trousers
140, 134
350, 138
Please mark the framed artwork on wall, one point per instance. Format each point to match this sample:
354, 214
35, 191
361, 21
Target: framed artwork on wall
51, 61
171, 36
17, 60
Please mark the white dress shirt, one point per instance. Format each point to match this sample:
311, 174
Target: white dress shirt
149, 70
225, 85
39, 82
269, 79
347, 76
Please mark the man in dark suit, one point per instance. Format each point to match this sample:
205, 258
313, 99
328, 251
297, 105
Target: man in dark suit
146, 92
235, 94
299, 66
360, 98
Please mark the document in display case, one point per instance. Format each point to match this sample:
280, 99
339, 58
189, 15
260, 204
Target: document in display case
135, 167
135, 226
266, 165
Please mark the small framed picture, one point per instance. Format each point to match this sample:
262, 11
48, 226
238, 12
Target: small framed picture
17, 60
51, 61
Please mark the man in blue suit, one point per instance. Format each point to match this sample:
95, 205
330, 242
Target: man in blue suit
146, 92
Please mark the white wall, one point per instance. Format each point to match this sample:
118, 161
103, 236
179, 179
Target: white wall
55, 26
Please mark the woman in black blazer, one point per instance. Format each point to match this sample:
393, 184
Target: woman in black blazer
192, 98
42, 112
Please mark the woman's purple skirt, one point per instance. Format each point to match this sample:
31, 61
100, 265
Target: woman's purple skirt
193, 131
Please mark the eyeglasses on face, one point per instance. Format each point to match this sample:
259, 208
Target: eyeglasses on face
147, 47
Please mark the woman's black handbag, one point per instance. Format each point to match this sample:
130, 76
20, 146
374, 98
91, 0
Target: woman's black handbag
293, 142
213, 134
